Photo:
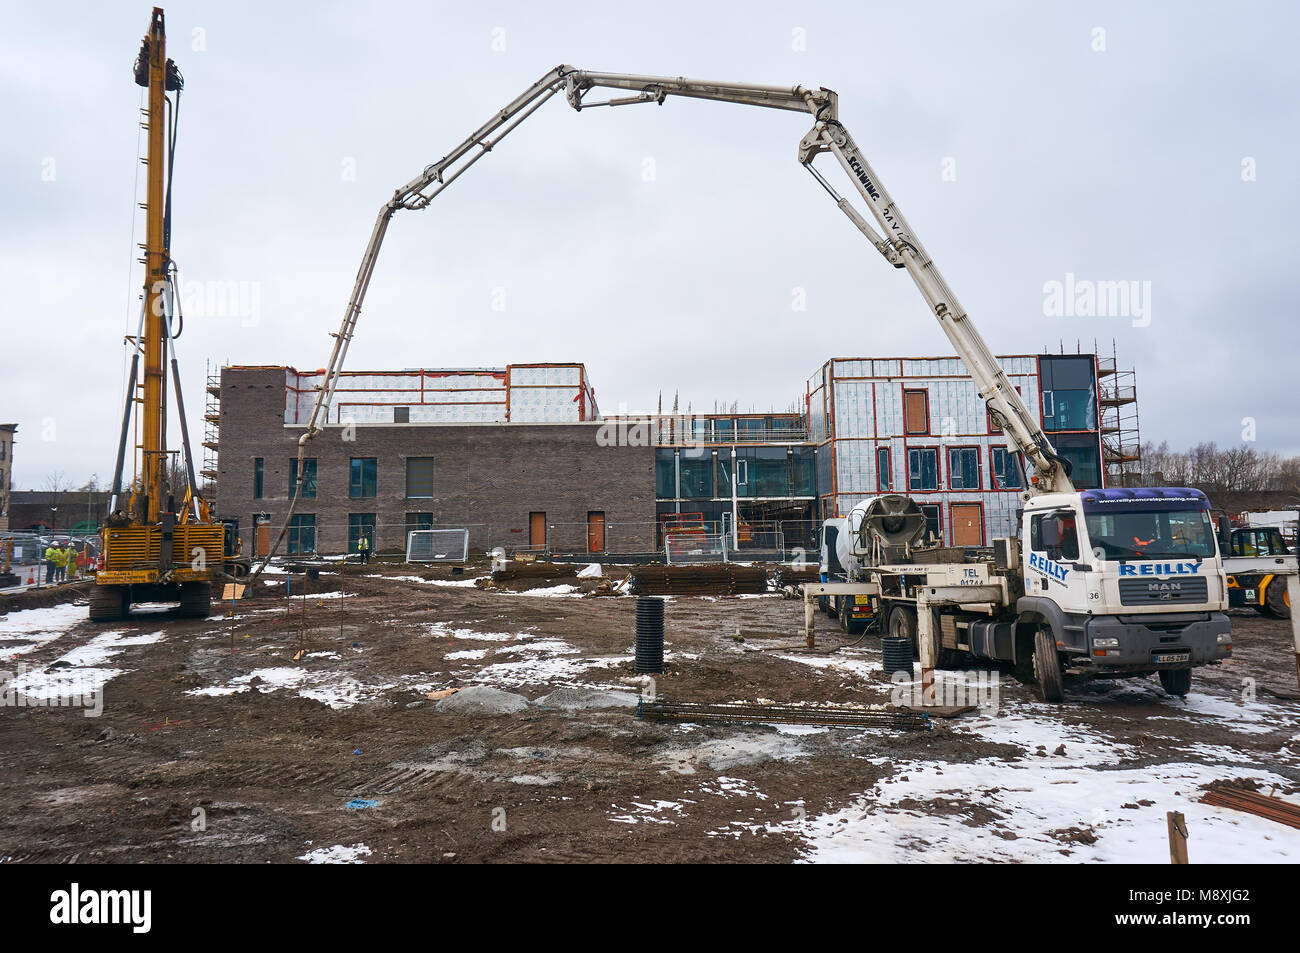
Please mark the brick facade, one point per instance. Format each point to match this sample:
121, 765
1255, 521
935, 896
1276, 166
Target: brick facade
488, 478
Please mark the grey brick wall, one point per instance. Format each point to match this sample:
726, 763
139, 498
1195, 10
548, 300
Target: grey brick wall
488, 477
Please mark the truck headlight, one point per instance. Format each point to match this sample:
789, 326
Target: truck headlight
1105, 643
1225, 638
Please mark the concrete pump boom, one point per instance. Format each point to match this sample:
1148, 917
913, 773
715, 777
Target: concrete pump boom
894, 240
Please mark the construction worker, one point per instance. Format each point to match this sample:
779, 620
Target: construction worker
70, 560
53, 561
363, 547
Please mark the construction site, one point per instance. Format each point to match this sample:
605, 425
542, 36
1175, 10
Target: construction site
936, 609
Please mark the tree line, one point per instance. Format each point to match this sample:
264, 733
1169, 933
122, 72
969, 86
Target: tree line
1240, 469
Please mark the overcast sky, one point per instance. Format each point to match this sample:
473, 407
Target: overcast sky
1136, 142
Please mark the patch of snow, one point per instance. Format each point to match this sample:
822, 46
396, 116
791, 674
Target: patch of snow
32, 628
338, 854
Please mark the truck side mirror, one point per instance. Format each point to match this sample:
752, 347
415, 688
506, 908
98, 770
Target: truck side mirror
1049, 531
1225, 536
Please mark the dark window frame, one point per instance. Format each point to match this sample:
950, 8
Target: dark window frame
938, 470
357, 478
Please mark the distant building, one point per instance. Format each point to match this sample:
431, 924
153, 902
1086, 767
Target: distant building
7, 432
522, 457
67, 511
512, 454
917, 426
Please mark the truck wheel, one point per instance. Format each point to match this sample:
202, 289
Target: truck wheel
1047, 667
1276, 602
902, 625
196, 600
108, 603
1176, 681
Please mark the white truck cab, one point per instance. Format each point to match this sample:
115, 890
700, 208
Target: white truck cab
1130, 581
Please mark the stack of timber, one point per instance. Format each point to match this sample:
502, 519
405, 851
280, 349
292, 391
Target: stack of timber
789, 576
721, 579
517, 570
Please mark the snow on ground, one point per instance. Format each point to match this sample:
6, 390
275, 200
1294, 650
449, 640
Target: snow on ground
1086, 801
557, 669
1035, 810
335, 689
338, 854
428, 582
29, 629
565, 589
82, 672
840, 661
445, 631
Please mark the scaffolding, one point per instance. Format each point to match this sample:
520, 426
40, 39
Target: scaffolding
1121, 438
211, 433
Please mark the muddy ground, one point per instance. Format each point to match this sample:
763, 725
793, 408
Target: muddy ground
244, 737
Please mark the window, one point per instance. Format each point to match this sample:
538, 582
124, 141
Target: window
1008, 473
916, 412
922, 468
803, 474
416, 521
364, 477
1069, 393
697, 474
964, 468
360, 524
933, 522
401, 415
1067, 530
884, 469
1084, 455
419, 478
308, 477
1137, 531
302, 534
722, 431
666, 474
257, 478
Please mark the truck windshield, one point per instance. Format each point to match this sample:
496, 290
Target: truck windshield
1149, 534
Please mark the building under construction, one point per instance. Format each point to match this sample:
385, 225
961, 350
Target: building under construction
522, 457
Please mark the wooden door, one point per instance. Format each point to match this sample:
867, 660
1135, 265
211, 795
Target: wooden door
537, 531
967, 524
595, 532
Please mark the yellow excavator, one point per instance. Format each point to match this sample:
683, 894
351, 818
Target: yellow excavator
154, 548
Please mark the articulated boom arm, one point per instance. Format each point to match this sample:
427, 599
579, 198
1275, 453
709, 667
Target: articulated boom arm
901, 248
897, 243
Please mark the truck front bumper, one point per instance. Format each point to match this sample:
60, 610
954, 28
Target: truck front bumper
1138, 648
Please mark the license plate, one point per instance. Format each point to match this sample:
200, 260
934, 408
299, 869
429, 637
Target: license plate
1170, 657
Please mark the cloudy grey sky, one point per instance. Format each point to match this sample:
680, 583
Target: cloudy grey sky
1166, 156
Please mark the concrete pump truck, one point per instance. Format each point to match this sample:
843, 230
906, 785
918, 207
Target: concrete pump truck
157, 544
1106, 582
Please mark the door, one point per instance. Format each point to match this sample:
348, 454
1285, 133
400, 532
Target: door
262, 534
595, 532
967, 524
537, 531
